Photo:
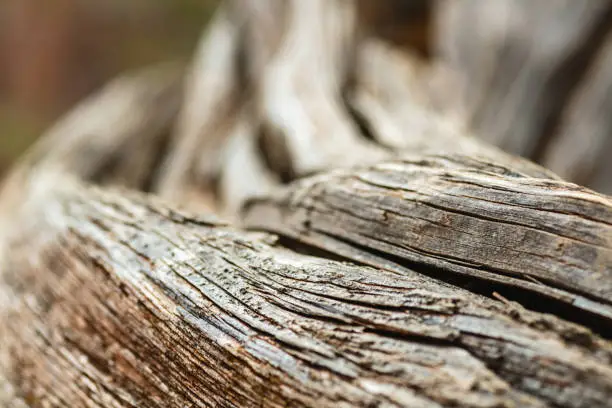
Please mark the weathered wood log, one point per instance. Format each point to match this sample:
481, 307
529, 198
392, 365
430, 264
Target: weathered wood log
142, 305
461, 215
417, 267
141, 108
534, 78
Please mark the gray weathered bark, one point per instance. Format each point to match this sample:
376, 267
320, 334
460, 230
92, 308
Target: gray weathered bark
417, 267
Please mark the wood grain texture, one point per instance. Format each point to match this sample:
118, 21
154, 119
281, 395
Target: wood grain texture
463, 215
142, 305
530, 78
438, 272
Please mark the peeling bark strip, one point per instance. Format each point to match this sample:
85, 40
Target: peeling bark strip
462, 215
141, 305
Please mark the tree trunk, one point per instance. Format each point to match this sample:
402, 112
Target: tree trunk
377, 254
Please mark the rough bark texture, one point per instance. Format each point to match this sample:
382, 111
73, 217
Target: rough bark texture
146, 306
462, 215
418, 267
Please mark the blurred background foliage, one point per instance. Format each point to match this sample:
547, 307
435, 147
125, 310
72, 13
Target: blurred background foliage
55, 52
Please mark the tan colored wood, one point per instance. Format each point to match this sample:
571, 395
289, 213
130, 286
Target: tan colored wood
382, 257
532, 77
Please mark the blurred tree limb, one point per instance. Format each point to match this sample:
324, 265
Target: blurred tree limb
379, 255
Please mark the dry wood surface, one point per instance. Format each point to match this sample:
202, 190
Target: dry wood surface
369, 250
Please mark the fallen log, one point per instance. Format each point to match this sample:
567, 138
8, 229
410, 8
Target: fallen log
373, 259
